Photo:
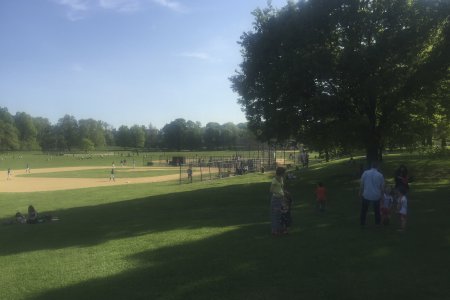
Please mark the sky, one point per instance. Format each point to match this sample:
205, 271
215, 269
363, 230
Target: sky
124, 62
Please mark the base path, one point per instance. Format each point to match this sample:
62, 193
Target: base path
25, 184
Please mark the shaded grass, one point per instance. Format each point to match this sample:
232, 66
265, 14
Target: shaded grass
211, 240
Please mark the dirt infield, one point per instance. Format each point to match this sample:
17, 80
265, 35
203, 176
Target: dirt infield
25, 184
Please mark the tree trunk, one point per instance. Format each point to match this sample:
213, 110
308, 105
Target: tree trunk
374, 147
373, 142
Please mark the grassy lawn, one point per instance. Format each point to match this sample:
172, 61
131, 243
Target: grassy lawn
104, 173
19, 161
211, 240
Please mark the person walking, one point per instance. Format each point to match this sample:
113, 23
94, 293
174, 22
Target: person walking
371, 191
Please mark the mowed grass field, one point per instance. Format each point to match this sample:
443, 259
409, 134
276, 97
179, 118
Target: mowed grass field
211, 240
104, 173
19, 160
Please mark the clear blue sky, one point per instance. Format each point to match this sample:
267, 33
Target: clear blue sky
124, 62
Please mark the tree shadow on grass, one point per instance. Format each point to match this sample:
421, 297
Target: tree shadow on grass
324, 257
314, 262
219, 267
92, 225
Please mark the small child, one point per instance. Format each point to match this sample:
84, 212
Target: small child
321, 196
386, 205
286, 218
402, 206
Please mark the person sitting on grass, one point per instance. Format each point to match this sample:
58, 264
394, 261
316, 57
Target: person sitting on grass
32, 215
20, 218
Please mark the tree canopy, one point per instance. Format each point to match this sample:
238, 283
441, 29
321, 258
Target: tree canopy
344, 73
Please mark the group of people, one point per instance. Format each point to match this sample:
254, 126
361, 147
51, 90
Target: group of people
373, 192
376, 193
31, 218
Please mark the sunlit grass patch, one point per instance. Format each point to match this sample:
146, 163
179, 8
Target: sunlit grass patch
104, 173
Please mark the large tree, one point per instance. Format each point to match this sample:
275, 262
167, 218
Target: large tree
173, 134
9, 135
152, 137
92, 130
213, 136
137, 135
68, 135
193, 135
342, 71
27, 131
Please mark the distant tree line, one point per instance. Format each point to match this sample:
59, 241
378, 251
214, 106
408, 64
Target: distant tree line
24, 132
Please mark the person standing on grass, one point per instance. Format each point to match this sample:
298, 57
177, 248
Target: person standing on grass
189, 174
27, 170
8, 174
277, 195
286, 217
401, 178
321, 197
402, 203
386, 205
371, 191
112, 176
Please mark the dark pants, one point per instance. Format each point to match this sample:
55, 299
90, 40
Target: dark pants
365, 208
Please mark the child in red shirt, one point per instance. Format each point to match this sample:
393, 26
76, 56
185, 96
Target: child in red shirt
321, 196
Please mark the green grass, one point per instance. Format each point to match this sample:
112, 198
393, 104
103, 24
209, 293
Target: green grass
211, 240
19, 160
102, 173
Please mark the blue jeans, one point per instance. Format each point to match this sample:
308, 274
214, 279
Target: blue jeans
365, 207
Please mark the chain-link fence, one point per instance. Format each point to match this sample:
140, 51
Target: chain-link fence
199, 168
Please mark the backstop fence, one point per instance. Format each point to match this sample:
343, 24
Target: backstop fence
200, 168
